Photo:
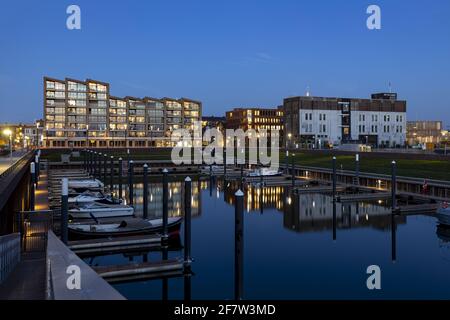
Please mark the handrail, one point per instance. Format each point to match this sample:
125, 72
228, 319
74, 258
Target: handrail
9, 254
12, 176
443, 183
14, 165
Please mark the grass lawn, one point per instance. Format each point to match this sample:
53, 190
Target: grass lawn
427, 169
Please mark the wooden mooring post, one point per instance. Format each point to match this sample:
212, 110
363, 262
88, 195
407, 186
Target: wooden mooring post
105, 167
111, 175
65, 210
393, 238
145, 195
165, 212
238, 245
334, 178
120, 177
334, 221
187, 223
130, 182
394, 185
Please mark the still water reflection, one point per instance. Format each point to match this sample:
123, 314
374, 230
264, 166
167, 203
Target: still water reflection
295, 246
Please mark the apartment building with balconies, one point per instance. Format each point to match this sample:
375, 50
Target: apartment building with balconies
81, 114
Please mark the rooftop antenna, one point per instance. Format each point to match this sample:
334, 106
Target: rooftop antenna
308, 93
390, 87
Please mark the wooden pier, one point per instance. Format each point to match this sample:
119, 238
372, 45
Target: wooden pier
278, 181
319, 189
427, 208
115, 244
355, 197
154, 269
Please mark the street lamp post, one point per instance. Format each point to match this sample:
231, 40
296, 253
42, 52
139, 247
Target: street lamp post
8, 132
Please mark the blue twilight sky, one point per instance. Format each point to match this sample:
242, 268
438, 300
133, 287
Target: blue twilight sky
228, 53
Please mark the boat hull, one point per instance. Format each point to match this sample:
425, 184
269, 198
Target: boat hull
443, 216
99, 214
173, 229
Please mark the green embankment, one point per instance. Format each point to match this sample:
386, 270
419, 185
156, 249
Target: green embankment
427, 169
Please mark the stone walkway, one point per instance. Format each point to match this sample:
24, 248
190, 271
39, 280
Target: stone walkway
27, 281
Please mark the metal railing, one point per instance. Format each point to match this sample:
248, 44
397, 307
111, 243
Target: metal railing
33, 227
15, 165
11, 177
362, 174
9, 254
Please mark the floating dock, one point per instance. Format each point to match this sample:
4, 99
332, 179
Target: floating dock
426, 208
363, 196
83, 246
147, 270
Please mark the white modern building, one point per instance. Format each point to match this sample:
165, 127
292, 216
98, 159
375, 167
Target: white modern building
321, 121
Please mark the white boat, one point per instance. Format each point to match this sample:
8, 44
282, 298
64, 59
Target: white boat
86, 197
100, 210
87, 183
443, 214
89, 197
264, 172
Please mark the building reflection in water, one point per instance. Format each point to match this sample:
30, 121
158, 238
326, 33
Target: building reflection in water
175, 203
255, 198
304, 212
315, 212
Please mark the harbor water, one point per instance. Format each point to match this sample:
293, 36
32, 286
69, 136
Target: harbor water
296, 246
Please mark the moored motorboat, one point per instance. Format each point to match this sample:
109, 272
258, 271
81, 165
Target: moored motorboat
91, 196
85, 183
125, 227
264, 172
100, 210
443, 214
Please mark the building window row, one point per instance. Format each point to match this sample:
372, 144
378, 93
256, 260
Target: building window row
74, 86
97, 87
55, 85
56, 94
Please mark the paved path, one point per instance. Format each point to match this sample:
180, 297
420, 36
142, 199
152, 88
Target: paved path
27, 281
7, 161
